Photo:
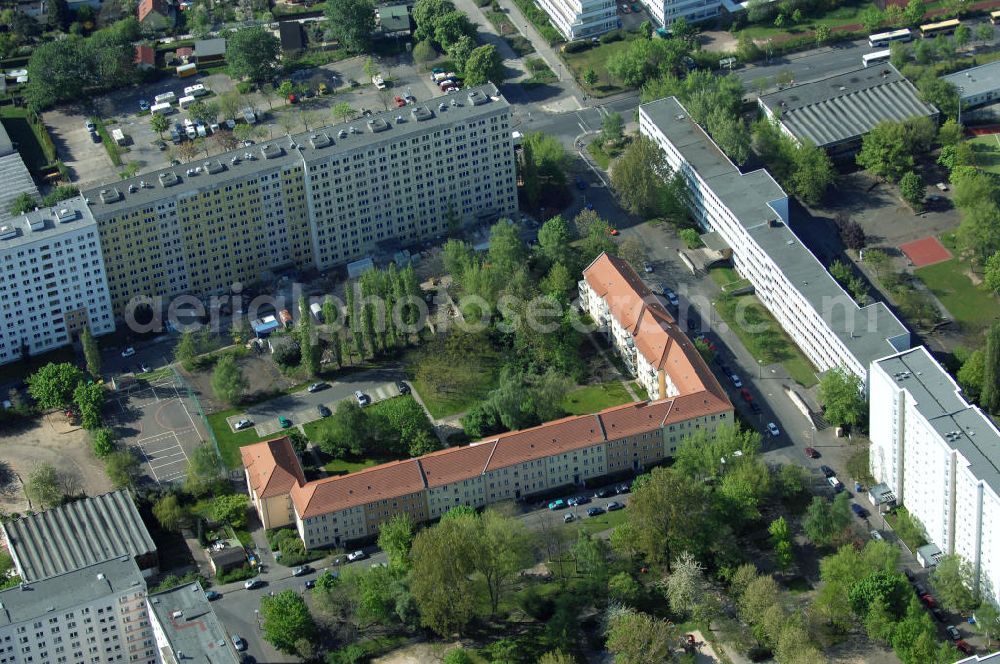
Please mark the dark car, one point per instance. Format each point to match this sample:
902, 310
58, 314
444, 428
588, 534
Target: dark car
910, 576
402, 387
212, 595
828, 472
602, 493
316, 387
745, 393
623, 488
323, 411
310, 584
938, 614
581, 184
754, 406
302, 570
95, 137
919, 589
953, 632
693, 323
859, 511
595, 511
811, 453
615, 505
576, 501
964, 647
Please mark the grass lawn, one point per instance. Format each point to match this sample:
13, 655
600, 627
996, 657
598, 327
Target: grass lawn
230, 442
971, 306
987, 153
768, 342
598, 524
640, 390
595, 150
596, 58
845, 15
441, 405
593, 398
343, 466
727, 278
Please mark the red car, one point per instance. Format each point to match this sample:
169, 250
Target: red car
811, 453
963, 646
400, 103
745, 393
613, 231
929, 600
293, 99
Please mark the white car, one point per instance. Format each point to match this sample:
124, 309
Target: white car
361, 397
239, 643
736, 381
243, 424
876, 535
357, 555
772, 429
250, 584
647, 267
128, 352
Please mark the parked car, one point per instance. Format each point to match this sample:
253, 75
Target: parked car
613, 231
602, 493
736, 381
811, 453
835, 483
859, 511
212, 595
239, 643
301, 570
576, 501
647, 267
356, 555
557, 504
671, 297
568, 517
323, 411
615, 505
745, 393
625, 487
595, 511
827, 471
90, 126
316, 387
953, 632
284, 422
95, 137
361, 397
919, 589
754, 406
143, 105
243, 424
772, 429
250, 584
929, 600
938, 614
402, 387
877, 536
310, 584
399, 101
128, 352
910, 576
581, 184
964, 647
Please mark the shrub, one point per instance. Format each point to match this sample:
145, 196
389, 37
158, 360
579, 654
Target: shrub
245, 87
613, 36
578, 46
238, 574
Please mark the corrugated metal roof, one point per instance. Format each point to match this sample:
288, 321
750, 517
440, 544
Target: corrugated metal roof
77, 534
841, 108
14, 180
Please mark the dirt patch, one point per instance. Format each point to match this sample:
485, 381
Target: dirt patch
260, 371
717, 41
52, 440
418, 653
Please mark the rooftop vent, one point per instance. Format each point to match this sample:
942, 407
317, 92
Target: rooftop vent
7, 232
421, 113
132, 188
320, 140
100, 576
110, 195
65, 214
214, 166
249, 156
169, 179
271, 151
36, 224
378, 124
477, 98
192, 171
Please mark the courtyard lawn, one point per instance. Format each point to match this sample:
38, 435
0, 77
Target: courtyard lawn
987, 152
972, 306
343, 466
593, 398
767, 342
596, 58
230, 442
446, 405
599, 524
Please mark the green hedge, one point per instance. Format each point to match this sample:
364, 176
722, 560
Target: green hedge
540, 20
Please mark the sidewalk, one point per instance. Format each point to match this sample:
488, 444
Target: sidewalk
489, 35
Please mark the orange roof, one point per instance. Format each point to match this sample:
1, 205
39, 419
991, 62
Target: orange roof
145, 55
614, 280
331, 494
272, 467
456, 463
555, 437
146, 7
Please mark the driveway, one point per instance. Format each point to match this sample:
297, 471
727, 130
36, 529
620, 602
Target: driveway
87, 161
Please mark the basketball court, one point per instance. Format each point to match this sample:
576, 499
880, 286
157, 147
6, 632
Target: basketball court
926, 251
161, 424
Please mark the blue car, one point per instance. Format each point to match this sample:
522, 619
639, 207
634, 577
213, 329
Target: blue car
557, 504
581, 184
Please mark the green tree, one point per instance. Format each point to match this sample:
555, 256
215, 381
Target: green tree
169, 512
813, 173
911, 188
186, 349
460, 51
53, 385
889, 587
395, 537
612, 127
441, 579
351, 22
989, 397
950, 133
954, 584
638, 638
44, 487
484, 65
590, 77
286, 620
58, 70
91, 353
89, 399
781, 542
840, 392
231, 509
554, 657
122, 468
555, 242
885, 151
962, 36
228, 382
871, 19
104, 443
457, 656
623, 587
823, 524
639, 178
970, 375
159, 123
424, 51
451, 27
984, 32
548, 158
685, 588
346, 430
426, 14
988, 622
822, 34
914, 12
879, 623
203, 469
252, 52
343, 112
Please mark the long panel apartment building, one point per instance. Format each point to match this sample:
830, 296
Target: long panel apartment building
750, 212
318, 199
580, 19
510, 466
940, 457
665, 12
52, 280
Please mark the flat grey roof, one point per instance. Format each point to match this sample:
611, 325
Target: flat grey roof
69, 215
976, 80
191, 626
65, 591
865, 331
14, 180
204, 47
77, 534
843, 107
397, 124
938, 398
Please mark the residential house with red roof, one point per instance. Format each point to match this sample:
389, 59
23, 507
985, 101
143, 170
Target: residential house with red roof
145, 57
157, 14
272, 471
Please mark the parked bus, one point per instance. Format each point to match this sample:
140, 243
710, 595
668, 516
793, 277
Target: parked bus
884, 38
184, 102
995, 17
872, 58
942, 28
161, 109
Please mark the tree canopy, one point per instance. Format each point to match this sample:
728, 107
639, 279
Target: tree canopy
252, 52
53, 385
484, 65
841, 393
286, 620
351, 22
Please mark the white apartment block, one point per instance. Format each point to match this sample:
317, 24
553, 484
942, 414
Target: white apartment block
940, 456
52, 280
665, 12
580, 19
750, 213
92, 615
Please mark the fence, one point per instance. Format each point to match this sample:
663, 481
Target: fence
190, 393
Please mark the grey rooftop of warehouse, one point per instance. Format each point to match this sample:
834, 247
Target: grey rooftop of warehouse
976, 80
191, 626
865, 331
964, 426
842, 108
294, 150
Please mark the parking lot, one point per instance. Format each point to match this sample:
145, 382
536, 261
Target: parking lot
87, 161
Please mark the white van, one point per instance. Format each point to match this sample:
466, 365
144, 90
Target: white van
161, 109
165, 98
196, 90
